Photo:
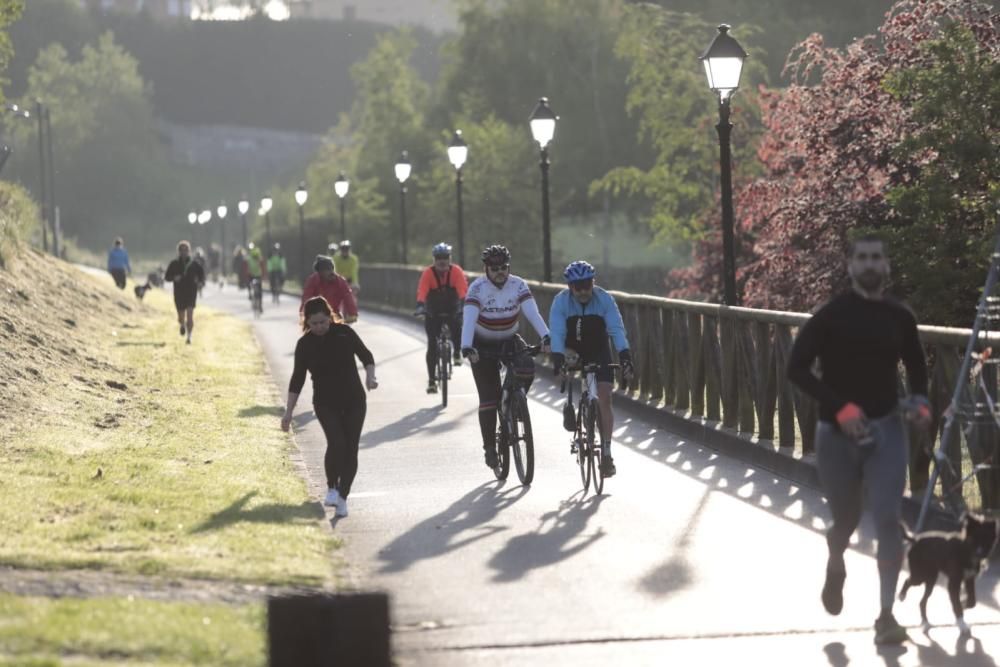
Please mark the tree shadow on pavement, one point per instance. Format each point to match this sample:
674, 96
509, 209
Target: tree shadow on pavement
465, 521
559, 536
304, 513
402, 428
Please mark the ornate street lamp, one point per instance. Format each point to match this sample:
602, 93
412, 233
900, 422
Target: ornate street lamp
341, 186
301, 196
265, 205
402, 169
543, 128
221, 211
243, 207
458, 152
723, 61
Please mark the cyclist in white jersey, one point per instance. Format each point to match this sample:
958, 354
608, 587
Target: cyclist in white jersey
490, 320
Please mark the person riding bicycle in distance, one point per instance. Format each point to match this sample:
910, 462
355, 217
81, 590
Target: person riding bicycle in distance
346, 264
440, 293
325, 282
490, 316
582, 318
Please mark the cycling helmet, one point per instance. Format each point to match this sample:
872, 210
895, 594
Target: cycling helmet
496, 254
345, 244
332, 248
277, 246
441, 250
579, 270
322, 263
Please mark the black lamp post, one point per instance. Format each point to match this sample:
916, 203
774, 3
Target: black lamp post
192, 220
723, 61
402, 173
458, 151
340, 186
301, 195
221, 211
265, 206
543, 128
243, 207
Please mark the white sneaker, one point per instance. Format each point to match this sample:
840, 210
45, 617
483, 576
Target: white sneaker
332, 498
342, 507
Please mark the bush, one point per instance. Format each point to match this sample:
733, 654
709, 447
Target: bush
19, 219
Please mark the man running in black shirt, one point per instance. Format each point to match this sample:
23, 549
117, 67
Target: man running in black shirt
188, 278
859, 338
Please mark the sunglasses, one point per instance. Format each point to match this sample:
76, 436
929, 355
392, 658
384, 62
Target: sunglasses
582, 285
498, 267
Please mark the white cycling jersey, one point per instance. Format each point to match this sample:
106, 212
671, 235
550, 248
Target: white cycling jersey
492, 312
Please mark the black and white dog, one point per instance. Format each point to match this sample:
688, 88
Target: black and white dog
961, 556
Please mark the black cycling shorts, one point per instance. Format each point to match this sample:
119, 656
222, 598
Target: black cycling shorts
601, 356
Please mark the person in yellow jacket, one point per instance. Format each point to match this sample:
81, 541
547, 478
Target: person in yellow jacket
277, 268
346, 264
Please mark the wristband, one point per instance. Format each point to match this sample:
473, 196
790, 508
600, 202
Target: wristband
849, 412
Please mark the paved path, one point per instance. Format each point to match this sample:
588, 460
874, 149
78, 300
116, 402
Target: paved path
688, 558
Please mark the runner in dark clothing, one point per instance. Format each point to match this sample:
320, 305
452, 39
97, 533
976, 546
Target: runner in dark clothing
188, 277
327, 350
859, 337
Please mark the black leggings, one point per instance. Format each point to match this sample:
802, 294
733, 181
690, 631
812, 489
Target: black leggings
432, 325
342, 425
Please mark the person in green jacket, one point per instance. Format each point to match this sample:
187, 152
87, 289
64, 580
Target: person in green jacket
276, 270
346, 264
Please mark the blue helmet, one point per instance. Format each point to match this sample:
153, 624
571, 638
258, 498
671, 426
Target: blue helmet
579, 270
441, 250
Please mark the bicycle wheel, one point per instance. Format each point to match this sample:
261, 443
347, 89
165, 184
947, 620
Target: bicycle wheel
443, 373
597, 452
582, 452
503, 451
521, 439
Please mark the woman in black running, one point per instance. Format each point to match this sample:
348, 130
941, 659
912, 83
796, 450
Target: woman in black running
327, 350
859, 339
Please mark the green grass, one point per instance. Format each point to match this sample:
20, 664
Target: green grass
195, 478
122, 631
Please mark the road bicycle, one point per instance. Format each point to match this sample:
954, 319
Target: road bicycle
256, 297
588, 444
514, 434
445, 350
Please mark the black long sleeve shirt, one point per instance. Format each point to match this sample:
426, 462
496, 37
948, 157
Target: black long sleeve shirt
330, 361
859, 343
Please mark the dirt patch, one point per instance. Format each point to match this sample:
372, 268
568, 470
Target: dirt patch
53, 321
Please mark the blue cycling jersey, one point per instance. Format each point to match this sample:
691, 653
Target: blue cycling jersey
585, 326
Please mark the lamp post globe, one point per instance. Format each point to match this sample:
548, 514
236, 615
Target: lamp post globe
301, 197
723, 61
402, 169
543, 128
341, 186
458, 152
221, 211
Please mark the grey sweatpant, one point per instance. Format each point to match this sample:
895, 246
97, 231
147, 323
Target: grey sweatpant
849, 473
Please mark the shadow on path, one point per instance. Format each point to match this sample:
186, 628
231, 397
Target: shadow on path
675, 574
467, 520
402, 428
559, 536
305, 513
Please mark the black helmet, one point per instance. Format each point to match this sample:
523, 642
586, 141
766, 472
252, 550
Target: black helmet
496, 254
322, 262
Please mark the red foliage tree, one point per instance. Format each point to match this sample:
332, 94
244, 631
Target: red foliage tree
828, 154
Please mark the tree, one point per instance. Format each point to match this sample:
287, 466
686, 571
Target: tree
10, 11
111, 167
677, 114
835, 149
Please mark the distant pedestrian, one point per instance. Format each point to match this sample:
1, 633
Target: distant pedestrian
118, 263
859, 338
327, 349
240, 267
188, 277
